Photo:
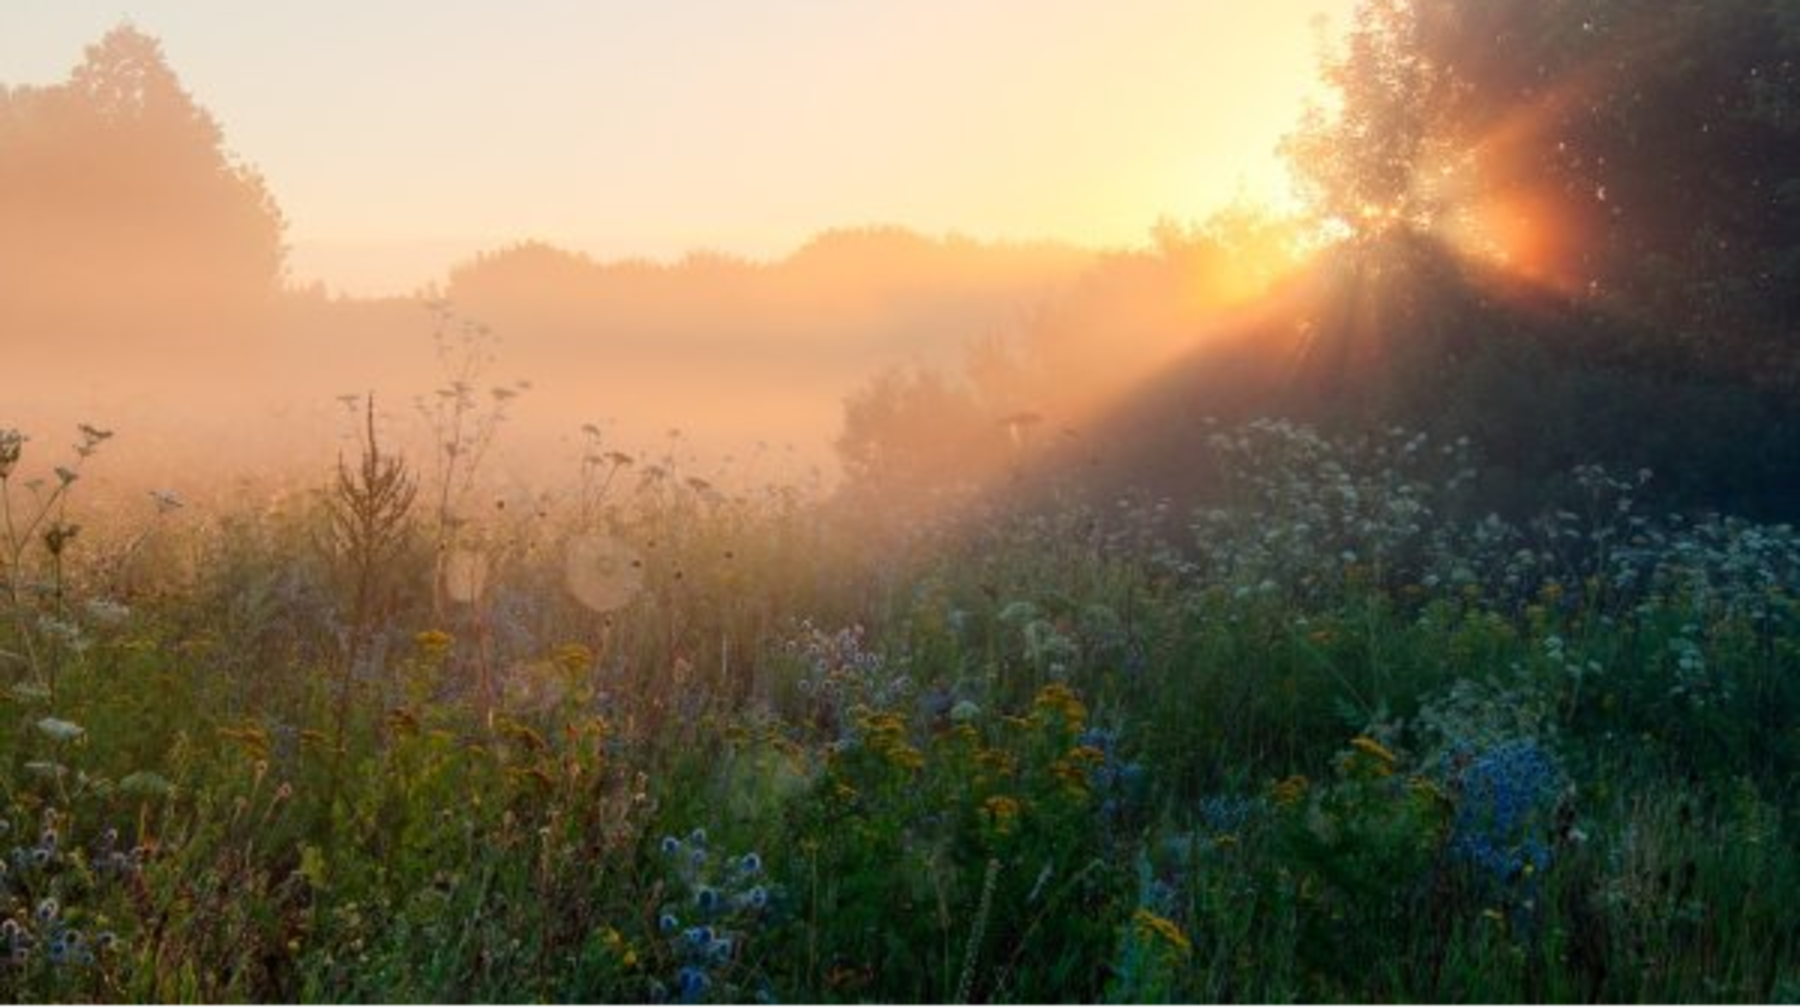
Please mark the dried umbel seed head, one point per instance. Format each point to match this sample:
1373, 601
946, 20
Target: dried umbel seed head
12, 445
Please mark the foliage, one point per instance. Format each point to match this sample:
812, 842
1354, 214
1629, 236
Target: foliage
1062, 757
119, 171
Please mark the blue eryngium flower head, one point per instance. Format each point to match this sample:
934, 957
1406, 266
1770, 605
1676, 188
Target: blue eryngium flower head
671, 846
698, 837
691, 983
756, 898
706, 898
1506, 796
750, 863
668, 923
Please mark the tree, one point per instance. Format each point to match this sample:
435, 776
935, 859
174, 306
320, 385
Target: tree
116, 188
1641, 156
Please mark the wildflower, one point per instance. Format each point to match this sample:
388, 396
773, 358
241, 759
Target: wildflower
1370, 755
720, 949
707, 899
47, 910
1153, 927
12, 445
670, 846
698, 837
756, 898
573, 659
106, 612
614, 941
904, 756
668, 923
433, 645
1061, 701
1499, 825
692, 983
59, 730
1000, 811
1074, 778
1289, 791
750, 863
1086, 754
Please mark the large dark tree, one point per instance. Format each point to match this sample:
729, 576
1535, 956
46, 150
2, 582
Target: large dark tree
1639, 156
117, 191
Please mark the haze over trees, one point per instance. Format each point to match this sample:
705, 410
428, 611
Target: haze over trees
120, 195
1394, 600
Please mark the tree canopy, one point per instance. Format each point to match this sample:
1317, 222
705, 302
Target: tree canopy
116, 187
1642, 156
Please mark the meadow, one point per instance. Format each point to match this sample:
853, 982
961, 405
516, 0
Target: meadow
1384, 589
1337, 734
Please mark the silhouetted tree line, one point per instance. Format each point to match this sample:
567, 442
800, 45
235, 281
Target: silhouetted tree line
1569, 229
117, 194
1658, 139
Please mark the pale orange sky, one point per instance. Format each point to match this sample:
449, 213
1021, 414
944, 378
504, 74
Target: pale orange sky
401, 137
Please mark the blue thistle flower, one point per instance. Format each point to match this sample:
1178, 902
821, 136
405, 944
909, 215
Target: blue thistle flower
707, 899
1506, 793
756, 898
698, 837
691, 984
668, 923
671, 846
750, 863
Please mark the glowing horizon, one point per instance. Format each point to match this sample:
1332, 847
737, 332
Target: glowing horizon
402, 139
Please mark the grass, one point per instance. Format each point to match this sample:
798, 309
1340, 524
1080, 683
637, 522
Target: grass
1336, 735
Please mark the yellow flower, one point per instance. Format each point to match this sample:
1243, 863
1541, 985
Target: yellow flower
999, 812
572, 659
1086, 754
433, 645
1061, 701
1374, 749
1152, 927
904, 756
996, 762
1290, 791
616, 943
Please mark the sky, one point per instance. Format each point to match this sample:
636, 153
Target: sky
404, 136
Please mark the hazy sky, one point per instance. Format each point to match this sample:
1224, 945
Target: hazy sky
401, 136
